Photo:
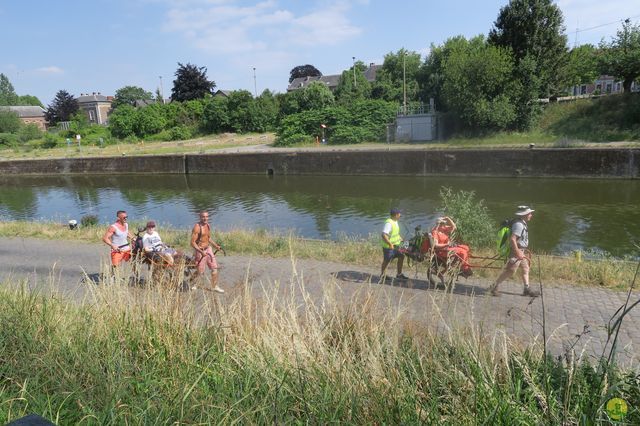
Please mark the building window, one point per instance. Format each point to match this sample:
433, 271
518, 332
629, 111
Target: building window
608, 87
583, 89
92, 115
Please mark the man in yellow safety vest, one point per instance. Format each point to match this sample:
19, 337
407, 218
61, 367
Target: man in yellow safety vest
391, 240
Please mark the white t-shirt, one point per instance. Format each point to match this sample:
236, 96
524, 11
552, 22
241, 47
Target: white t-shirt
387, 228
151, 241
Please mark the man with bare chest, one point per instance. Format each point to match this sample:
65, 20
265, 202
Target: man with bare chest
202, 242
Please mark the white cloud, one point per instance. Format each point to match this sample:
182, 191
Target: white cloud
223, 26
594, 19
49, 70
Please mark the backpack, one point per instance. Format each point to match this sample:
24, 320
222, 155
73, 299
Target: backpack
504, 235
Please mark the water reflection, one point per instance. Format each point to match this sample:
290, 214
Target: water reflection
571, 214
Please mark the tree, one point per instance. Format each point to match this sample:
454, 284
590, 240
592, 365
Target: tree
9, 121
304, 71
621, 57
29, 100
534, 30
581, 66
475, 82
215, 117
396, 69
7, 93
191, 83
62, 108
122, 121
128, 95
348, 92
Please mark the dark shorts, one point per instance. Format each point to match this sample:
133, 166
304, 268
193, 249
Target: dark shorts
390, 254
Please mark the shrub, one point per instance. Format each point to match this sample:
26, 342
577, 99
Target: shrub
180, 133
89, 220
475, 225
122, 122
50, 141
29, 132
8, 139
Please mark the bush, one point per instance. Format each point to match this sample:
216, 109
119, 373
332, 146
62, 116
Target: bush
89, 220
122, 122
9, 122
8, 139
29, 132
179, 133
475, 225
50, 141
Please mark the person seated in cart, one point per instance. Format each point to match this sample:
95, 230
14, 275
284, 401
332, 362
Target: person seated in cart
444, 246
154, 247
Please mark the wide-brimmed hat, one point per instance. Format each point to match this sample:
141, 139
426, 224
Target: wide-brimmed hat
151, 224
524, 210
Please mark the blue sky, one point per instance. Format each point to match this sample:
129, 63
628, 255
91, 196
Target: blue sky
101, 45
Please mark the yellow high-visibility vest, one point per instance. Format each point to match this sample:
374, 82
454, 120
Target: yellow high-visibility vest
394, 237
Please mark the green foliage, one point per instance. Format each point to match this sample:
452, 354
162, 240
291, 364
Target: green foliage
9, 121
29, 100
63, 107
215, 116
89, 220
179, 133
149, 120
8, 95
29, 132
191, 83
8, 139
582, 66
621, 57
396, 69
476, 83
266, 112
363, 121
348, 90
50, 140
534, 30
127, 95
610, 118
475, 225
122, 121
242, 110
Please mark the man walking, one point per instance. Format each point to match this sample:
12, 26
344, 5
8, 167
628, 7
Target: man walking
117, 237
391, 240
519, 255
201, 242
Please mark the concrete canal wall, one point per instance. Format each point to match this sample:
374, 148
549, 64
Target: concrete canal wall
614, 163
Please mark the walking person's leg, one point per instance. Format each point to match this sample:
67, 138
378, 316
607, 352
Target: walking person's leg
507, 272
212, 263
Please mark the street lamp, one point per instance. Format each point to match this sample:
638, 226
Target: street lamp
161, 89
255, 87
354, 70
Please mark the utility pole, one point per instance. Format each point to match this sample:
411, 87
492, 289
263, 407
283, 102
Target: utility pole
255, 86
404, 80
354, 71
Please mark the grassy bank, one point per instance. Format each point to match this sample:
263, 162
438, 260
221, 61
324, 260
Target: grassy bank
140, 357
610, 273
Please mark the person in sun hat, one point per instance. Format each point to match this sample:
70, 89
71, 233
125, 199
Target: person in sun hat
391, 240
519, 257
153, 245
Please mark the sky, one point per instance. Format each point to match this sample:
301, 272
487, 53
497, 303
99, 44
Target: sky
102, 45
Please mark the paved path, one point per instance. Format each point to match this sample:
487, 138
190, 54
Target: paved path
571, 311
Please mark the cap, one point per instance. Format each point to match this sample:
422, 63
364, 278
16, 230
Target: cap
151, 224
524, 210
395, 211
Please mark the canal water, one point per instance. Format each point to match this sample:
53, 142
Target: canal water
592, 215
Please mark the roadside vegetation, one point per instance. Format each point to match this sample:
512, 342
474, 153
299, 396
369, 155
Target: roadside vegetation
135, 356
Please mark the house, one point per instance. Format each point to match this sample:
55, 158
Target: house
29, 115
331, 80
605, 84
96, 106
222, 93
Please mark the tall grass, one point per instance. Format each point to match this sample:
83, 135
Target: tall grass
131, 356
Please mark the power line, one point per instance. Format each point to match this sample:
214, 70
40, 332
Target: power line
604, 25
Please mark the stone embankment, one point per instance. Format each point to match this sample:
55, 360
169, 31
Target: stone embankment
585, 162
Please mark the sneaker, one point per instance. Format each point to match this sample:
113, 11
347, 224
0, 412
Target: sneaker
218, 289
402, 277
528, 291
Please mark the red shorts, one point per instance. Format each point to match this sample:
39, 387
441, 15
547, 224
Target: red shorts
209, 260
119, 256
